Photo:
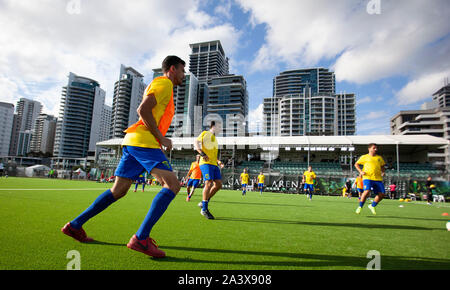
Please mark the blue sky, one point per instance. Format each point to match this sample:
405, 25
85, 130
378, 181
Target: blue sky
392, 61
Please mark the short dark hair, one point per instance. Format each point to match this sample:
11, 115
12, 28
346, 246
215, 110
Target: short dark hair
213, 123
371, 145
170, 61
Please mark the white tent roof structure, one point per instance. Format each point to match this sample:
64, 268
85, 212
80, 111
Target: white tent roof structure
337, 141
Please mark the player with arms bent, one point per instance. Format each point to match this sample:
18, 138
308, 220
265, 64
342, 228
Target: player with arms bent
207, 146
142, 151
372, 173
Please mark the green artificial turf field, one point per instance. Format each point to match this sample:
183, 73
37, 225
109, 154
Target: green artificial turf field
269, 232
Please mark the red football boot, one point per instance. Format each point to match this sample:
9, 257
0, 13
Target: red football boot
79, 235
147, 246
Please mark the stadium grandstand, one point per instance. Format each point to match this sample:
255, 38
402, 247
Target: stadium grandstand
284, 159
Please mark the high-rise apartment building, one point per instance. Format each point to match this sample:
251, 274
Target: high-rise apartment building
43, 138
78, 126
128, 92
6, 119
27, 112
207, 60
105, 123
304, 102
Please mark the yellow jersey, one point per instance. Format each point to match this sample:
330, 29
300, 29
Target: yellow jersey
372, 167
194, 171
162, 89
244, 178
309, 177
261, 178
359, 183
209, 146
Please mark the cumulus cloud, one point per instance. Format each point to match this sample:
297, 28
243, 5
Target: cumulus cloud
364, 47
255, 119
45, 40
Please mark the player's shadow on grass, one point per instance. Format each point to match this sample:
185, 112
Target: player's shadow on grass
257, 203
304, 260
95, 242
408, 218
352, 225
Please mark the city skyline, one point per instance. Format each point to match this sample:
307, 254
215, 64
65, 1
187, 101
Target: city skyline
398, 57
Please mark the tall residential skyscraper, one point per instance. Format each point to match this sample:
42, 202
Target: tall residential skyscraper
78, 126
207, 60
219, 93
43, 139
128, 91
27, 112
6, 119
228, 98
304, 102
105, 123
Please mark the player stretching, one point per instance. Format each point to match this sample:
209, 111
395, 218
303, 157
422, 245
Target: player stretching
261, 179
308, 178
372, 172
193, 177
140, 180
244, 181
142, 151
207, 146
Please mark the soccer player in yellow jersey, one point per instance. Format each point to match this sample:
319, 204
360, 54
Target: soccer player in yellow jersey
244, 181
207, 146
261, 179
308, 178
372, 173
359, 185
193, 177
142, 150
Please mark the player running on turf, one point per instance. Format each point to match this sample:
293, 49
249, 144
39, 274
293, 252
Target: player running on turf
142, 151
193, 177
244, 181
207, 146
308, 178
359, 185
261, 179
372, 172
140, 180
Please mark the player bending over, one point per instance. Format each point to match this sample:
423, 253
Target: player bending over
207, 146
140, 180
193, 177
308, 179
372, 172
142, 151
244, 181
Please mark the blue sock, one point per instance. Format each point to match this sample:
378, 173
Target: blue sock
101, 203
136, 186
143, 186
374, 204
205, 205
157, 209
361, 203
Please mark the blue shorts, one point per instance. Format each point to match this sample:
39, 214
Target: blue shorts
210, 172
309, 186
140, 180
193, 183
375, 186
244, 184
360, 190
260, 184
136, 160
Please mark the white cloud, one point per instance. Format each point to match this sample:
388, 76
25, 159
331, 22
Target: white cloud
43, 42
366, 47
422, 88
374, 115
255, 119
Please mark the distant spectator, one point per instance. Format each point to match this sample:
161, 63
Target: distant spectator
393, 190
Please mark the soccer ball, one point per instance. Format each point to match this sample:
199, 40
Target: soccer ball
448, 226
